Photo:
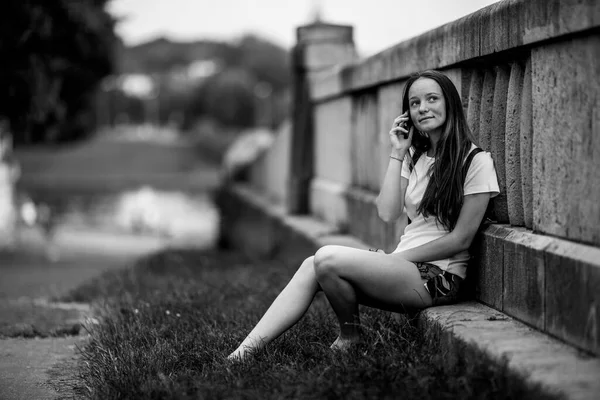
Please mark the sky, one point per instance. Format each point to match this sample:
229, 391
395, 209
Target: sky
378, 24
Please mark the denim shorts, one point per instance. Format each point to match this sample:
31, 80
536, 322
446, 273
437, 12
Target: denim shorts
443, 286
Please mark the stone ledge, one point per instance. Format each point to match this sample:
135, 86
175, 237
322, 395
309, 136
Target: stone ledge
546, 282
467, 330
505, 25
473, 330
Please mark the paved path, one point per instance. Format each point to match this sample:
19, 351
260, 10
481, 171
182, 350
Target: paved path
44, 368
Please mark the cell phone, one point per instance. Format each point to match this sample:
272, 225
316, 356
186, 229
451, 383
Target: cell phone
406, 125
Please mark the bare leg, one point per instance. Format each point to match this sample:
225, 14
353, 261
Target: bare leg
351, 276
285, 311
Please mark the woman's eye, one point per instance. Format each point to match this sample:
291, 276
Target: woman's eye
413, 103
432, 99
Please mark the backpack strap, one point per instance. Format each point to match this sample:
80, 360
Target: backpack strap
488, 217
467, 163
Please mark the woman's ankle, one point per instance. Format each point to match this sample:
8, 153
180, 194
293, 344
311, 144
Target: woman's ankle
345, 343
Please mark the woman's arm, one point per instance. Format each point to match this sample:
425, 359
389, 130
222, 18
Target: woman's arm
390, 201
469, 220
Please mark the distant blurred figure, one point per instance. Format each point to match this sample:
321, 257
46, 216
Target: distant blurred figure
250, 145
9, 174
41, 216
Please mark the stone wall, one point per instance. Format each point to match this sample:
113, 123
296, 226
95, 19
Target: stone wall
527, 71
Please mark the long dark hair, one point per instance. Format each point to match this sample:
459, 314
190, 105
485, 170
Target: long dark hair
444, 194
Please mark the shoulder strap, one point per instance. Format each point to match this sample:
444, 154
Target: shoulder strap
489, 213
467, 163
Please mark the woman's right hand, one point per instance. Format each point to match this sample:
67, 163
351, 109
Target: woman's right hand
399, 143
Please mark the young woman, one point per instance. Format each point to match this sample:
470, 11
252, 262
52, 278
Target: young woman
430, 142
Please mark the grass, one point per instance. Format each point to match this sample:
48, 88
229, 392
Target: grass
167, 324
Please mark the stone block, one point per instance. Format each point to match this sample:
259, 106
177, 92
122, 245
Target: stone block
514, 195
474, 101
364, 221
524, 276
486, 110
526, 146
497, 136
566, 149
389, 107
328, 202
365, 165
324, 55
469, 331
572, 294
333, 127
500, 26
489, 266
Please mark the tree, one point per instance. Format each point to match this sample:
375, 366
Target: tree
227, 97
54, 54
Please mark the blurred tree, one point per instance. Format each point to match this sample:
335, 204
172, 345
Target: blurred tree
232, 95
54, 54
227, 97
266, 61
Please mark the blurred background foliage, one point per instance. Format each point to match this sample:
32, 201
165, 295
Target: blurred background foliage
54, 54
65, 74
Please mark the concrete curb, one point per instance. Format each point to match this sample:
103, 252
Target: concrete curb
467, 329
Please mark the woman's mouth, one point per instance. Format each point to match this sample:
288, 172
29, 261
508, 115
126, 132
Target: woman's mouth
425, 119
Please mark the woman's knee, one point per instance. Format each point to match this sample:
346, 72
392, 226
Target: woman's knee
325, 260
307, 267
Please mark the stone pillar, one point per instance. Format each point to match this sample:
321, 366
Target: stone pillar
8, 176
319, 47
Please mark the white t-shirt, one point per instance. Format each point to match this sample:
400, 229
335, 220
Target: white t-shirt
481, 178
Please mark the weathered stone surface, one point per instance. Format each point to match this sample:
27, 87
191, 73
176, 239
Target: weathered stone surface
487, 110
526, 146
320, 46
490, 266
513, 152
333, 127
389, 107
365, 131
524, 276
320, 32
475, 99
324, 55
328, 201
497, 145
471, 330
566, 152
501, 26
572, 293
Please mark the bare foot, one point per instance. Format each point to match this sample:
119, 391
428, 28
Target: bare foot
342, 344
240, 354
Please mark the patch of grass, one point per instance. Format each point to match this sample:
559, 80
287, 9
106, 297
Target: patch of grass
167, 324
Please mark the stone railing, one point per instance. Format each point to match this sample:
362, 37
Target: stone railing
527, 71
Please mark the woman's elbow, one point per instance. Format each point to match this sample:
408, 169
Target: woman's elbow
387, 216
464, 242
384, 213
